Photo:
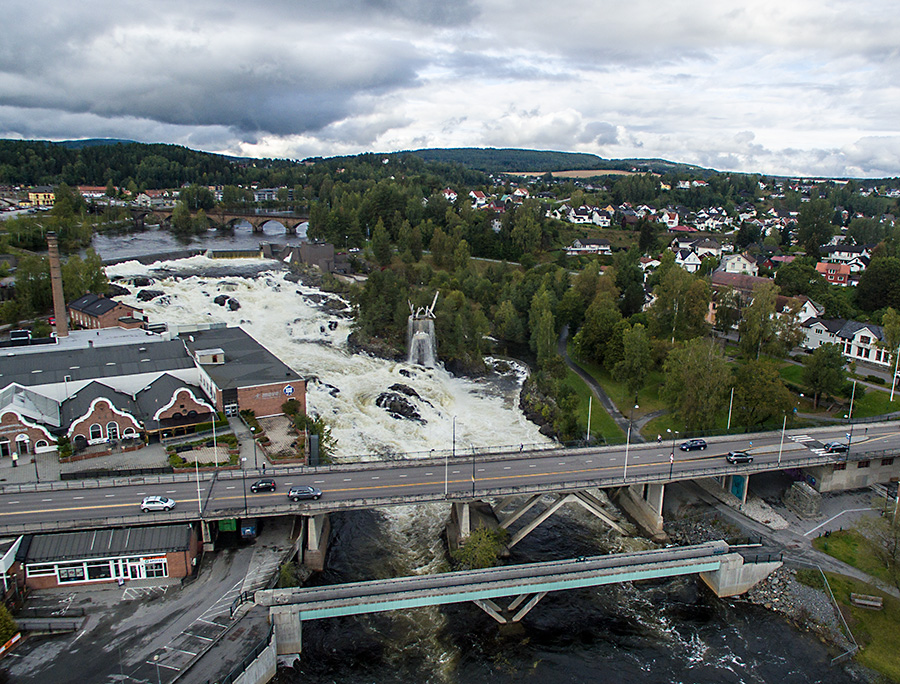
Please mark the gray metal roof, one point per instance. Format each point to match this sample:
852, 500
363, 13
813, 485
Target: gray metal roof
107, 543
93, 305
80, 403
247, 362
53, 365
158, 393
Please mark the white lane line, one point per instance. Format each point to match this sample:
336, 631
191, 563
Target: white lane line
429, 473
77, 497
44, 500
180, 650
106, 496
403, 476
852, 510
12, 502
455, 472
347, 479
170, 667
375, 477
171, 491
589, 461
532, 466
199, 636
318, 481
232, 487
507, 467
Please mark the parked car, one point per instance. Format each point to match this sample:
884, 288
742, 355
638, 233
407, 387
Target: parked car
693, 444
304, 492
157, 503
267, 484
835, 447
738, 457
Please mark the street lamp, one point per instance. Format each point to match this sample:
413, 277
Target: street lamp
781, 446
627, 442
672, 455
849, 435
34, 460
473, 470
253, 437
156, 661
244, 481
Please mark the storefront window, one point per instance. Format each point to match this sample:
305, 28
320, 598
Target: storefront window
99, 570
157, 568
70, 572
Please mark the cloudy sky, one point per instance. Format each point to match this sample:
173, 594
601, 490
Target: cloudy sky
806, 87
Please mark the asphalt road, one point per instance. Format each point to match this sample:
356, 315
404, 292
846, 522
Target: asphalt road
366, 485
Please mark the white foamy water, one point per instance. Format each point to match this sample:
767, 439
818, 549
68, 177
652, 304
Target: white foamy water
288, 320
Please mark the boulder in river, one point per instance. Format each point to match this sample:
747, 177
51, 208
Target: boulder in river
147, 295
398, 406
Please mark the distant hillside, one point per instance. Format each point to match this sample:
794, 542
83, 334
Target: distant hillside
493, 160
92, 142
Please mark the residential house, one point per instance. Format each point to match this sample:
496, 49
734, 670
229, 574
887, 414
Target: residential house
738, 263
835, 274
688, 260
42, 196
449, 195
859, 342
589, 246
668, 218
707, 247
91, 311
479, 199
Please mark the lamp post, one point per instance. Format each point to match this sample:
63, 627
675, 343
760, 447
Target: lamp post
244, 482
849, 435
730, 404
627, 443
672, 455
473, 470
253, 437
156, 662
781, 446
197, 473
34, 460
215, 417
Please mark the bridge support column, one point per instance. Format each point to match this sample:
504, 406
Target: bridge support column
288, 631
318, 530
589, 502
206, 536
738, 485
735, 576
510, 614
644, 503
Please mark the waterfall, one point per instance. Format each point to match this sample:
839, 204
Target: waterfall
420, 341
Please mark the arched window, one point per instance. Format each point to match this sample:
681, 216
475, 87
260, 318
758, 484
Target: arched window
22, 444
112, 430
129, 432
40, 444
96, 431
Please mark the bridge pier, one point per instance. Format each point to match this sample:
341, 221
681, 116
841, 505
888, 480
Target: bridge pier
500, 615
735, 576
315, 537
288, 630
644, 503
738, 485
207, 536
585, 499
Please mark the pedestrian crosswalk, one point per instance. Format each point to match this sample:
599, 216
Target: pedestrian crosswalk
805, 440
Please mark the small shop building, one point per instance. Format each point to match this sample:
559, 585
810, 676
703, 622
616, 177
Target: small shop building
110, 555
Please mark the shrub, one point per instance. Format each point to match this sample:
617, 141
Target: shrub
874, 378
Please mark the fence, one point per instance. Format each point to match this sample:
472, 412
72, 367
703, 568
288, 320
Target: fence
241, 667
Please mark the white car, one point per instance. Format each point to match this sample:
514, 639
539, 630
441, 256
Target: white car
157, 503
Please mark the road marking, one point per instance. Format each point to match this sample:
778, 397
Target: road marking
107, 496
52, 499
404, 475
589, 461
232, 487
318, 481
852, 510
455, 472
12, 502
348, 479
171, 491
429, 473
77, 497
375, 477
507, 467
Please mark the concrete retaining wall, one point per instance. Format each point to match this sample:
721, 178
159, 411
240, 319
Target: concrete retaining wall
263, 668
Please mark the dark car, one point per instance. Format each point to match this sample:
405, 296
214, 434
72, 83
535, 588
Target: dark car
267, 484
738, 457
835, 447
693, 444
304, 492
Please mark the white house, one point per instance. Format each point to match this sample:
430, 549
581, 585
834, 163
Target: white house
858, 341
707, 247
688, 260
479, 199
449, 194
738, 263
589, 246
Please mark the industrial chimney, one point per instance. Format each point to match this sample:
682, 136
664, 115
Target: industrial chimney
59, 302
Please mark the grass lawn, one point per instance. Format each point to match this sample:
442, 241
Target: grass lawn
648, 395
601, 422
876, 631
875, 403
854, 549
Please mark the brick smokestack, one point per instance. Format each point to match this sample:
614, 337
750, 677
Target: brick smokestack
59, 302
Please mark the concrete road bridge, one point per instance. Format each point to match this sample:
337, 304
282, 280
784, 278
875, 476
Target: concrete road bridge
514, 481
722, 567
223, 219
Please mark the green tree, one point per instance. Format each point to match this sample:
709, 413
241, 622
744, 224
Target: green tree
814, 227
636, 358
381, 244
763, 329
799, 278
8, 626
696, 383
729, 305
682, 302
481, 549
600, 321
824, 371
759, 393
543, 326
507, 324
879, 284
884, 535
182, 221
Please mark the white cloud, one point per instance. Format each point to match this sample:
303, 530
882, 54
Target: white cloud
802, 87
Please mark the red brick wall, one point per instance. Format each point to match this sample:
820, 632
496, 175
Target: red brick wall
266, 400
102, 414
184, 404
11, 426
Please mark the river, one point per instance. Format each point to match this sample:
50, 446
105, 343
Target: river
668, 631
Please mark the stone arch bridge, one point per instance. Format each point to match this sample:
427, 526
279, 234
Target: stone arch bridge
223, 219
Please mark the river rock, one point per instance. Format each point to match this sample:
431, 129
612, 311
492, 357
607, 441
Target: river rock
230, 302
114, 290
141, 281
147, 295
398, 406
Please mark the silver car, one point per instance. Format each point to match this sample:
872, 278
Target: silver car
157, 503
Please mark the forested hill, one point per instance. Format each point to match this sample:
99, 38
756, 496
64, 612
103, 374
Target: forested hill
493, 160
37, 162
